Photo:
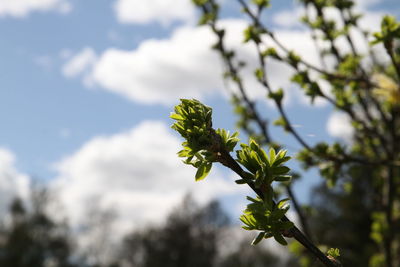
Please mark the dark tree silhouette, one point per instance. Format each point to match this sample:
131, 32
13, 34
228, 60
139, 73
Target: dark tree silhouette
189, 238
33, 238
192, 236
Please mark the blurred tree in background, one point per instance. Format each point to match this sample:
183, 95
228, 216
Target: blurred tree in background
250, 256
358, 207
32, 237
192, 236
189, 238
342, 219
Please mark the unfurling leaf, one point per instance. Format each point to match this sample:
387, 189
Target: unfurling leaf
258, 238
280, 239
203, 171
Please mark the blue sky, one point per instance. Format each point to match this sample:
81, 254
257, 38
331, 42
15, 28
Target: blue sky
86, 86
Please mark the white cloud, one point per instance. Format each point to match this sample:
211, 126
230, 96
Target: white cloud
12, 182
21, 8
137, 173
158, 71
161, 71
161, 11
80, 64
64, 7
184, 65
339, 126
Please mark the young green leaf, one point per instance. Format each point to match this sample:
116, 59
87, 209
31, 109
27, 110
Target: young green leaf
280, 239
272, 155
333, 252
283, 178
282, 203
258, 238
280, 170
202, 171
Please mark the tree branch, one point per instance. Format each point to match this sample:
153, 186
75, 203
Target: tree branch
227, 160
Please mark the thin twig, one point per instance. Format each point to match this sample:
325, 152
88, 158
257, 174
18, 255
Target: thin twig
302, 217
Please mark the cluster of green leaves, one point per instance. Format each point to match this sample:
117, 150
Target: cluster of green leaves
311, 88
261, 3
193, 123
266, 217
277, 96
330, 27
203, 146
390, 30
210, 11
271, 52
264, 169
263, 214
253, 33
334, 252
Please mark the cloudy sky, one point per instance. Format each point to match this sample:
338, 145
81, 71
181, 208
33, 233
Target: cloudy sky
86, 88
